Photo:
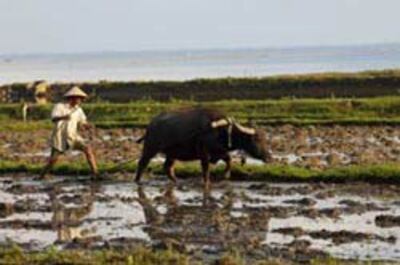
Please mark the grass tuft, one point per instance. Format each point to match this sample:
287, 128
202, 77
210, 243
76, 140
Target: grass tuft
380, 173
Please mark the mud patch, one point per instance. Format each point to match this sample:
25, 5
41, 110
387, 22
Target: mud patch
387, 221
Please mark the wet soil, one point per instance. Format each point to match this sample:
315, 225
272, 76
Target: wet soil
315, 147
259, 220
387, 221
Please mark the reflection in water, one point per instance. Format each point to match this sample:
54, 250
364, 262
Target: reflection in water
67, 220
253, 218
209, 223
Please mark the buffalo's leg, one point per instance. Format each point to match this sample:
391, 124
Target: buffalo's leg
169, 168
205, 166
143, 162
206, 197
228, 161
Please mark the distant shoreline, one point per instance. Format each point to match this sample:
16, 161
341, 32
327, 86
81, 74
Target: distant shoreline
186, 65
205, 50
394, 72
319, 85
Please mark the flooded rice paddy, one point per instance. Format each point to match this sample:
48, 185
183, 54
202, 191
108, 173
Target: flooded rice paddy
292, 221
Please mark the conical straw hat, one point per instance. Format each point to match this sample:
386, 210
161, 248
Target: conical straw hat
75, 92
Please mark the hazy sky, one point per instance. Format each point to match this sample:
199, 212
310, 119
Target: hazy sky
30, 26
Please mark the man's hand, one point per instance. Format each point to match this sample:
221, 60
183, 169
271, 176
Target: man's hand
87, 126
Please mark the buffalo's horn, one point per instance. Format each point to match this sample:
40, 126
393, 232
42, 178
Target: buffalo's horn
219, 123
245, 130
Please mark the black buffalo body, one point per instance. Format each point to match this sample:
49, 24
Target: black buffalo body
198, 134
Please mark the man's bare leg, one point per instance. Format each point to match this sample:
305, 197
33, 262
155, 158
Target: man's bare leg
90, 157
54, 156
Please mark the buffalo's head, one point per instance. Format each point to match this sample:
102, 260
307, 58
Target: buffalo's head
253, 142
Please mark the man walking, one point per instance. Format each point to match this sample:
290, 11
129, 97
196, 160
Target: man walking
68, 117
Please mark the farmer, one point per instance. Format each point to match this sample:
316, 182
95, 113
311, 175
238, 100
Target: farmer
68, 117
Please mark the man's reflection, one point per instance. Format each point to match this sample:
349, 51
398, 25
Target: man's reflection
69, 209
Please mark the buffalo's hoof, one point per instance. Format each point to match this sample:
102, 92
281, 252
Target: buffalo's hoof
138, 182
44, 177
207, 185
227, 175
174, 181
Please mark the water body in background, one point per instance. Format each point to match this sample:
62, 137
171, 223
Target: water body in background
190, 64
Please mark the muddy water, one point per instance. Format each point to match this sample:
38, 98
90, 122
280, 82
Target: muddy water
295, 221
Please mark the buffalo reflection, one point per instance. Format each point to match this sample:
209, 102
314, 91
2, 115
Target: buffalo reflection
208, 222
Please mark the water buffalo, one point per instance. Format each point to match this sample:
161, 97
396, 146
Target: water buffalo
198, 134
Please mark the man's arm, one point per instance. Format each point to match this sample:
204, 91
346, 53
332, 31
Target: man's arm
60, 118
58, 113
83, 122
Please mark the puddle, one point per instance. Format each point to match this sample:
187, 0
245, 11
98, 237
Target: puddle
269, 218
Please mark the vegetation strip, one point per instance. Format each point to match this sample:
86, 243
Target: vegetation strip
140, 256
362, 84
362, 111
382, 173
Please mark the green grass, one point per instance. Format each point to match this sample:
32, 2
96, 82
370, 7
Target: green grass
139, 256
382, 173
367, 111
